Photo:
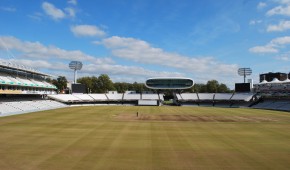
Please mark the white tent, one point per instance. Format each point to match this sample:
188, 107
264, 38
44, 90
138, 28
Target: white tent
275, 80
264, 82
286, 81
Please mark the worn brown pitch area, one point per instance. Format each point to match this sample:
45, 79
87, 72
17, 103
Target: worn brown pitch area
191, 118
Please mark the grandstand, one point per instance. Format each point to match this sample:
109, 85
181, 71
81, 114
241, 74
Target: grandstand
274, 86
23, 89
105, 98
18, 105
206, 96
150, 97
273, 95
223, 96
215, 99
18, 79
99, 97
115, 96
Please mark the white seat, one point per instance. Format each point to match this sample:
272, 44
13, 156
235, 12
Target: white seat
223, 96
189, 96
99, 97
65, 98
205, 96
84, 97
129, 97
242, 96
115, 96
150, 96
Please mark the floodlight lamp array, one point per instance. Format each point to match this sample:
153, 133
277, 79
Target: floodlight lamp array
244, 71
75, 65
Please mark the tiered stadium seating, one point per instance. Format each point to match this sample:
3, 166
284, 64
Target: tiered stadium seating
215, 99
262, 105
188, 96
242, 96
179, 97
223, 96
7, 108
6, 80
161, 97
66, 98
150, 97
131, 97
14, 80
99, 97
37, 83
18, 107
283, 105
25, 82
205, 96
84, 97
287, 87
115, 96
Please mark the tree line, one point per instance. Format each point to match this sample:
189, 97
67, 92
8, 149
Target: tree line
103, 84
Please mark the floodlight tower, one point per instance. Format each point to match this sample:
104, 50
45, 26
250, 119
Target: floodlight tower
75, 65
244, 72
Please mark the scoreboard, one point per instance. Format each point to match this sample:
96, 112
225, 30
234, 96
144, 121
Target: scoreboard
242, 87
78, 88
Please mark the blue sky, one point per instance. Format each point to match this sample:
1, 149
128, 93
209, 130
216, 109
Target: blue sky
132, 40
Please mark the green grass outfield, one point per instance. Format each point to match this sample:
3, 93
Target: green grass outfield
113, 137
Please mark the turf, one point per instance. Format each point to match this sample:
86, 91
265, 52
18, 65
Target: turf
114, 137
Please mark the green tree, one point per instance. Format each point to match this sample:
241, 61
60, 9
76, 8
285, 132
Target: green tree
60, 83
139, 87
121, 87
104, 84
89, 82
212, 86
222, 88
48, 79
200, 88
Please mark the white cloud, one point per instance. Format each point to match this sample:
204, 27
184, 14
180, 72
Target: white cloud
283, 1
283, 9
95, 69
263, 49
282, 26
273, 46
36, 16
73, 2
41, 64
281, 40
283, 57
56, 13
8, 9
87, 31
127, 70
261, 5
142, 52
52, 11
54, 59
70, 12
97, 42
37, 50
254, 22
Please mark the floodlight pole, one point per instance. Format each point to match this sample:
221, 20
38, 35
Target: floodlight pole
75, 76
244, 75
75, 65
